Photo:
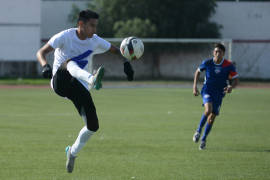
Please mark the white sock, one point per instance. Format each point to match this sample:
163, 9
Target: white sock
82, 138
78, 73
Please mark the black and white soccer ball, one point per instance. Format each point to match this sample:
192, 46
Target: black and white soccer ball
132, 48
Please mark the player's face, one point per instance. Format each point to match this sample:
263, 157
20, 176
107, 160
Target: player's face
218, 54
90, 27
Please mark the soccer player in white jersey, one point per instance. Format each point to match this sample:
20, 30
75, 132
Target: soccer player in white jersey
69, 77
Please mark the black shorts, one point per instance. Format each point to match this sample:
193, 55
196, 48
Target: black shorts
67, 86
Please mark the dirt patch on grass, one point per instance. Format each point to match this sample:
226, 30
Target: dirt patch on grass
254, 85
3, 86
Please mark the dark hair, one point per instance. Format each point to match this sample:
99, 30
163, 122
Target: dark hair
87, 14
220, 46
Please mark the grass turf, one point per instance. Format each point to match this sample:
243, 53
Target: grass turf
145, 134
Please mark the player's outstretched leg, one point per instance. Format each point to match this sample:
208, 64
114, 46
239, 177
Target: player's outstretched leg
96, 79
70, 160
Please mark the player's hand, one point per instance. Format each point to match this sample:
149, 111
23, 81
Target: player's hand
128, 71
195, 91
228, 89
47, 71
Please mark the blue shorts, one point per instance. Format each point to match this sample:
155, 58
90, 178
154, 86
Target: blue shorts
214, 98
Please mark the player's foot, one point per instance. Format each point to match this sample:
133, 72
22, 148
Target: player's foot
70, 160
202, 145
196, 136
96, 79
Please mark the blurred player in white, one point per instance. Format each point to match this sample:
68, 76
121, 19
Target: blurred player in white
69, 77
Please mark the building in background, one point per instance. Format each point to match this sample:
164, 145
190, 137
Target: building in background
247, 23
54, 15
19, 37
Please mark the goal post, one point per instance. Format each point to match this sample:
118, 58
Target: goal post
227, 42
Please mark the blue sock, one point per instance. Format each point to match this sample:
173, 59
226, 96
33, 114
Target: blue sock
202, 122
206, 131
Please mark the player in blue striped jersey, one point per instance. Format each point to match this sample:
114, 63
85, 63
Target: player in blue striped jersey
218, 71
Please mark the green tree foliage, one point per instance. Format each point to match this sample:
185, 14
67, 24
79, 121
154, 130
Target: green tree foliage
156, 18
73, 16
134, 27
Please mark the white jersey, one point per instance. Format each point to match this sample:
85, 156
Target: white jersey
67, 45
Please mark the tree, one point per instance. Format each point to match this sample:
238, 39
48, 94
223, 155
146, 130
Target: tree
134, 27
157, 18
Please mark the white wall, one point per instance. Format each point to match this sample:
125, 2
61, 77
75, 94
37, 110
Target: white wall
19, 29
243, 20
247, 21
54, 16
252, 60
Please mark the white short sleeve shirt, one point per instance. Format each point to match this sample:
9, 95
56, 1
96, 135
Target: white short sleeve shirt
67, 45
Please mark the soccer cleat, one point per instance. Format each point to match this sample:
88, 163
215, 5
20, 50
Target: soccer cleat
202, 145
70, 160
196, 136
96, 79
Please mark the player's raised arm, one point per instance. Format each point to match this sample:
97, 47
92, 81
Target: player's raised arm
41, 57
127, 66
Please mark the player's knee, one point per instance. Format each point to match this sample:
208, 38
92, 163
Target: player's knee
73, 68
92, 120
210, 121
207, 112
92, 127
211, 118
208, 109
95, 128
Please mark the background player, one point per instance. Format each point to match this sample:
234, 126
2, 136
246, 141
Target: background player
217, 73
70, 79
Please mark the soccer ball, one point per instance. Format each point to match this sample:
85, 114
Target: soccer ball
132, 48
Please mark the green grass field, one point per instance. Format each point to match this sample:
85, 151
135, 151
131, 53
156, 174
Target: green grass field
145, 134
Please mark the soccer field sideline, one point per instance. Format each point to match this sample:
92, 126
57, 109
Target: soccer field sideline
138, 84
